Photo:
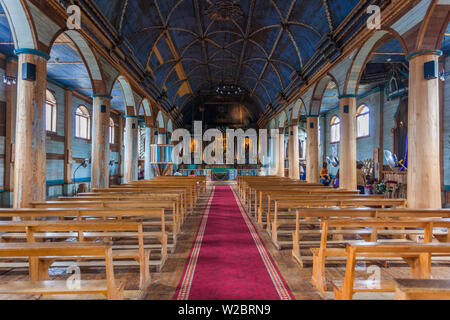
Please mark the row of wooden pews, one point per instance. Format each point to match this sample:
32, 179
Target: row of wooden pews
324, 225
132, 225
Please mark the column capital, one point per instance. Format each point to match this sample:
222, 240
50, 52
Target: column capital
102, 96
409, 57
33, 52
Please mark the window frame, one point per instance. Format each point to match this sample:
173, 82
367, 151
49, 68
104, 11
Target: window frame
84, 115
359, 115
53, 114
333, 124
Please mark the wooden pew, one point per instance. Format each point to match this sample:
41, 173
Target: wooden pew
268, 191
274, 222
305, 216
111, 288
191, 184
173, 222
370, 229
34, 231
131, 196
417, 255
422, 289
153, 189
277, 196
101, 214
250, 194
200, 180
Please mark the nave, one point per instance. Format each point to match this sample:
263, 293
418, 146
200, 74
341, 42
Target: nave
224, 150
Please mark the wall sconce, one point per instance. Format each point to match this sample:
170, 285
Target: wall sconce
9, 80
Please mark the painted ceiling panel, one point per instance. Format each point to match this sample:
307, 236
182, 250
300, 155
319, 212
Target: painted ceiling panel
289, 29
446, 41
164, 49
391, 50
117, 102
339, 10
266, 37
67, 68
183, 38
286, 50
286, 28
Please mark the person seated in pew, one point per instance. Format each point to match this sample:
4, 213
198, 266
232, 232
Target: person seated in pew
325, 175
361, 178
192, 173
177, 173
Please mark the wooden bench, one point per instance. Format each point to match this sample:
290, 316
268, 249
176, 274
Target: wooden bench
277, 196
181, 204
33, 231
172, 222
370, 229
267, 191
111, 288
422, 289
188, 200
100, 214
289, 219
201, 181
417, 255
305, 217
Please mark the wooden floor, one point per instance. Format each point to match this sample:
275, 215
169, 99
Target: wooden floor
164, 284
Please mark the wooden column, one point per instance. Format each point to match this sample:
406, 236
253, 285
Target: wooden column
121, 147
9, 139
424, 188
347, 146
312, 149
380, 159
30, 152
294, 165
281, 151
68, 124
131, 150
148, 170
100, 141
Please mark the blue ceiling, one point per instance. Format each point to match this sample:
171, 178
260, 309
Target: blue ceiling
260, 47
261, 51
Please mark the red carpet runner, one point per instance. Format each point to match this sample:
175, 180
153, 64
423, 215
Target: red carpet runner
228, 260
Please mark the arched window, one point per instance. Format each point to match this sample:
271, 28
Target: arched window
50, 105
335, 129
82, 123
363, 121
112, 131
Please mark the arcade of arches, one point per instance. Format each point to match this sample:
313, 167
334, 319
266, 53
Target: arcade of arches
92, 91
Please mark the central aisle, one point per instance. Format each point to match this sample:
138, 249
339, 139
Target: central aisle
228, 260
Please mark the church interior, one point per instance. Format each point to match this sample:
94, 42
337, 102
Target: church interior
346, 199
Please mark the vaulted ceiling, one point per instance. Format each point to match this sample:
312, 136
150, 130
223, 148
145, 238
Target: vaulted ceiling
189, 47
